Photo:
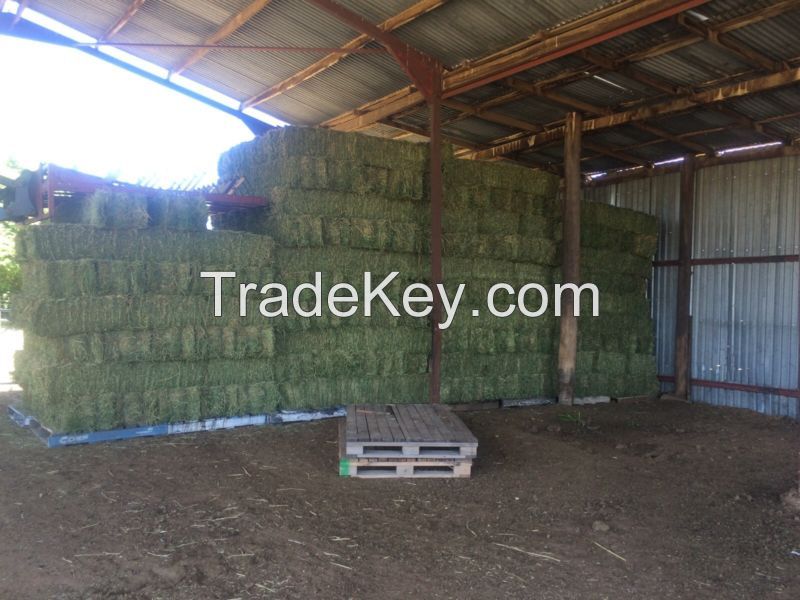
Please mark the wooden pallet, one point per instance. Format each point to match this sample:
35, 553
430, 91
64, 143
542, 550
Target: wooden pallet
422, 431
373, 468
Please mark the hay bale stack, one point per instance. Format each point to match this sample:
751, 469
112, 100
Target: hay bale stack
499, 225
119, 327
615, 350
340, 204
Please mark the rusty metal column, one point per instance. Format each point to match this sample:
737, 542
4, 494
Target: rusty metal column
570, 258
436, 194
683, 346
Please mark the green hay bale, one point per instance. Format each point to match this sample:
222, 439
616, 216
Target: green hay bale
56, 385
295, 231
105, 209
619, 262
56, 318
348, 364
612, 364
620, 219
401, 181
501, 247
488, 338
375, 234
615, 333
350, 262
470, 389
462, 268
642, 365
180, 344
53, 241
500, 176
468, 364
70, 278
111, 410
177, 211
612, 282
349, 205
350, 340
289, 142
321, 393
608, 238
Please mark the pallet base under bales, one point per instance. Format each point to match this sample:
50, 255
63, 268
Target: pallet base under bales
56, 440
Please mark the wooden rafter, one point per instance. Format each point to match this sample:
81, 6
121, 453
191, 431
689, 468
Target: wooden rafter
721, 40
115, 28
514, 123
395, 22
751, 18
636, 74
613, 20
21, 6
586, 107
227, 29
718, 94
451, 139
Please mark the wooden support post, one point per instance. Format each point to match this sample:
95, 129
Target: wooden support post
435, 109
571, 257
683, 348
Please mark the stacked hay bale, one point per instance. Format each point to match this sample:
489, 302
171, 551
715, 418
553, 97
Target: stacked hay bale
615, 350
340, 204
499, 226
119, 327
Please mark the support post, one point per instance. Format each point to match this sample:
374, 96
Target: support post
683, 347
571, 257
436, 193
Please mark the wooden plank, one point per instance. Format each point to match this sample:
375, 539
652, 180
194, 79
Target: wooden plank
375, 434
394, 22
115, 28
435, 423
382, 418
227, 29
363, 426
461, 432
423, 415
410, 430
394, 425
352, 423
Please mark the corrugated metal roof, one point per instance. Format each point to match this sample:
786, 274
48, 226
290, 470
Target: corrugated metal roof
455, 32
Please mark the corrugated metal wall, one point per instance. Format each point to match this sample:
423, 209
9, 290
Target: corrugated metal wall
744, 316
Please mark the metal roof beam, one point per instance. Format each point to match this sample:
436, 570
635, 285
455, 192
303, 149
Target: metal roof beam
227, 29
132, 9
586, 107
424, 70
714, 95
402, 18
742, 51
544, 47
751, 18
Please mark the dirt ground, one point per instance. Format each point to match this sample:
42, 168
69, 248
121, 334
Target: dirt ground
689, 494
